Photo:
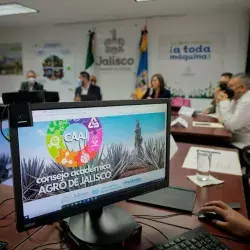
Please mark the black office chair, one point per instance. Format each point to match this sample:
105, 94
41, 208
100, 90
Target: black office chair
246, 157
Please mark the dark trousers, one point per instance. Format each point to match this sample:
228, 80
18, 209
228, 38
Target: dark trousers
245, 179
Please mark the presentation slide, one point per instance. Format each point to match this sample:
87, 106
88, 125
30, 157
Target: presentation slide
72, 161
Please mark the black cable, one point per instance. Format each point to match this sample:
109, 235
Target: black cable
160, 216
187, 228
8, 224
170, 224
5, 216
54, 243
6, 201
1, 124
154, 228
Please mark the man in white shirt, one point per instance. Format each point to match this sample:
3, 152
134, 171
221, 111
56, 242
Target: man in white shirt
87, 91
236, 115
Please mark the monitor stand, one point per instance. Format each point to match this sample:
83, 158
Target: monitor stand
106, 226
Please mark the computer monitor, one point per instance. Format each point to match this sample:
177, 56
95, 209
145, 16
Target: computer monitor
85, 156
23, 96
85, 98
51, 96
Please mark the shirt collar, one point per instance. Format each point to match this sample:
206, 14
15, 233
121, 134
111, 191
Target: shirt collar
242, 97
86, 87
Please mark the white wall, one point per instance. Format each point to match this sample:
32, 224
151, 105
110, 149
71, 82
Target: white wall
234, 27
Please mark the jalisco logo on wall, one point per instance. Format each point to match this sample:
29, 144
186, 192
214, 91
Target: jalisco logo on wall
193, 50
114, 46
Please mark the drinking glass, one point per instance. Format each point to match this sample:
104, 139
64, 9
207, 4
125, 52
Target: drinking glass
204, 159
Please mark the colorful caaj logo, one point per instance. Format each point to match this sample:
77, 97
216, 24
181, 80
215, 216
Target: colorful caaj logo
74, 143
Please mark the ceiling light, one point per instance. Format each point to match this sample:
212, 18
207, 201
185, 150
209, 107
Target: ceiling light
139, 1
14, 9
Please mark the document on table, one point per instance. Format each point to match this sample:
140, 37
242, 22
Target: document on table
226, 162
207, 125
186, 111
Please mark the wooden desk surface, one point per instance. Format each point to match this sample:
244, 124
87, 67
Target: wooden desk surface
9, 234
226, 192
218, 133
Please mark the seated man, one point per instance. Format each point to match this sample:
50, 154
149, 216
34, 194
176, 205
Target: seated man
234, 222
235, 115
31, 83
87, 91
224, 80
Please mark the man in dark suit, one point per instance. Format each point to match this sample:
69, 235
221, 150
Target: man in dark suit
31, 83
87, 91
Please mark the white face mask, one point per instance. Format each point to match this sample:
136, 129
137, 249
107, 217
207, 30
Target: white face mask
31, 80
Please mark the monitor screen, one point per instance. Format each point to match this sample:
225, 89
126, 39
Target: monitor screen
5, 155
75, 157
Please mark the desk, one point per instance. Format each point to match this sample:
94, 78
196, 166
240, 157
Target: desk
9, 234
226, 192
208, 136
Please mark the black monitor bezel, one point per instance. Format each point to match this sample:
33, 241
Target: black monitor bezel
123, 195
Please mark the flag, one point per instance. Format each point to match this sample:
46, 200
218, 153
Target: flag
90, 60
142, 72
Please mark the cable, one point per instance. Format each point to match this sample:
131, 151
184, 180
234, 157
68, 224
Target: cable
5, 216
170, 224
154, 228
1, 124
8, 224
54, 243
6, 200
159, 216
186, 228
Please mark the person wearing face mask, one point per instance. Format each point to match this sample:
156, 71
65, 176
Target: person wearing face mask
158, 88
31, 84
235, 114
224, 80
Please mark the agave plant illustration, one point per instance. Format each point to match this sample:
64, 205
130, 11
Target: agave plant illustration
153, 153
119, 158
31, 170
5, 159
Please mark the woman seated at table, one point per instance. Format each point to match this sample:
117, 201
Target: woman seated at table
158, 88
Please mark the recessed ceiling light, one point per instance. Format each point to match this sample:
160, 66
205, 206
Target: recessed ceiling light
14, 9
140, 1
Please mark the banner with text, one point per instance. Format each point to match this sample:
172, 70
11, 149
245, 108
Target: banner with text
192, 63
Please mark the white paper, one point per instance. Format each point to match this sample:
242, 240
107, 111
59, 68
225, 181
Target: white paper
209, 182
226, 162
180, 121
186, 111
213, 116
173, 147
207, 125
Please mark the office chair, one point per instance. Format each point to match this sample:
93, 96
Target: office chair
246, 157
245, 153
